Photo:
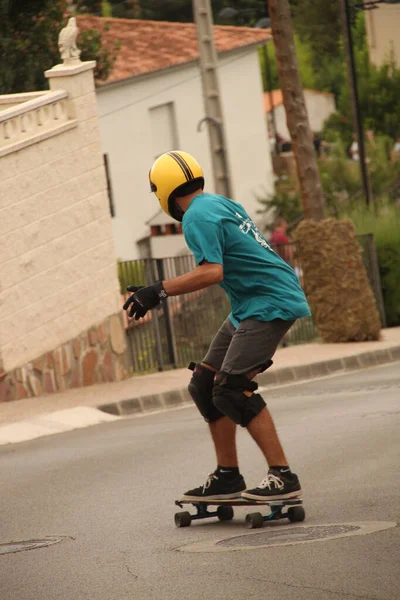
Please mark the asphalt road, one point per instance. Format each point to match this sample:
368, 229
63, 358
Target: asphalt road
110, 491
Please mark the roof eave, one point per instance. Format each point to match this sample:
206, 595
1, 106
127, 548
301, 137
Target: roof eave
190, 63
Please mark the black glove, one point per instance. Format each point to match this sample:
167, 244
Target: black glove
135, 288
144, 298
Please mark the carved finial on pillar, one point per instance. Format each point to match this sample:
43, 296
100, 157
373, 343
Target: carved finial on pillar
67, 43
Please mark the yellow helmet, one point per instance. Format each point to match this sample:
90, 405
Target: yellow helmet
172, 175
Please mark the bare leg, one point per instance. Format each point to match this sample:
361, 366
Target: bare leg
223, 433
263, 432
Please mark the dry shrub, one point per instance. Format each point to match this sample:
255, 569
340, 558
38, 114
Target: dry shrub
336, 282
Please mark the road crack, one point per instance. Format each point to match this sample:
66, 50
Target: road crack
130, 572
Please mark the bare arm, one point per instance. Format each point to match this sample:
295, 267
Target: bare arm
201, 277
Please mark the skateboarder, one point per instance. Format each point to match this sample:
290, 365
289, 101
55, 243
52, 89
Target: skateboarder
266, 299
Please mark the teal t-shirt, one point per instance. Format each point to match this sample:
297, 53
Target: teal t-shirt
260, 284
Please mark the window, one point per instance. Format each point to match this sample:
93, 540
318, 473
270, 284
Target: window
163, 128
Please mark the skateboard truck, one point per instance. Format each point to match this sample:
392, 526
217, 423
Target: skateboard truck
224, 512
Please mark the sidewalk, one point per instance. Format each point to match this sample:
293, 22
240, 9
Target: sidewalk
160, 391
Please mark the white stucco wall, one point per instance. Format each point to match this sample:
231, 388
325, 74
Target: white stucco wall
128, 138
280, 120
319, 107
167, 245
383, 30
57, 259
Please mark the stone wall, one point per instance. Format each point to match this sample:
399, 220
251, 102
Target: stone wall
98, 355
58, 274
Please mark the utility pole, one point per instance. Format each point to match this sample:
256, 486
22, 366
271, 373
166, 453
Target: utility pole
212, 101
296, 112
352, 76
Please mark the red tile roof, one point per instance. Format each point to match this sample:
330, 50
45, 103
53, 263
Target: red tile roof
277, 99
148, 46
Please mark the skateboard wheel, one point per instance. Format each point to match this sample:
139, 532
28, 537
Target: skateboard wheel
183, 519
296, 514
254, 520
225, 513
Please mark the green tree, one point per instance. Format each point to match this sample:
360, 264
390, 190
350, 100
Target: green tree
100, 8
249, 11
341, 183
318, 24
303, 52
29, 31
92, 48
92, 7
379, 94
154, 10
28, 42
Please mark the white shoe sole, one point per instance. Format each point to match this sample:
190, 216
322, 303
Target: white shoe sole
291, 495
233, 496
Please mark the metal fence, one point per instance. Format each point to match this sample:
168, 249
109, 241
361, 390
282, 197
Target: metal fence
370, 258
182, 327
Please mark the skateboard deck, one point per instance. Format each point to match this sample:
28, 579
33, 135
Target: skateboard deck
291, 509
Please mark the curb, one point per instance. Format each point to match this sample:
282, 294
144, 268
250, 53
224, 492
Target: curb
181, 397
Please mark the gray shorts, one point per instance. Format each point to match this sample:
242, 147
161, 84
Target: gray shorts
252, 344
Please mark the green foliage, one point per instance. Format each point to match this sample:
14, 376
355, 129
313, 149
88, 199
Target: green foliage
131, 273
92, 48
384, 224
341, 182
154, 10
304, 57
181, 10
384, 174
92, 7
338, 128
106, 9
285, 202
29, 32
271, 64
318, 28
379, 94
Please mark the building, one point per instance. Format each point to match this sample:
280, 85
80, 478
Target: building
153, 103
320, 105
383, 27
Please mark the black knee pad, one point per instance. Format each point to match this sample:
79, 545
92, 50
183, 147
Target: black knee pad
265, 366
200, 388
230, 399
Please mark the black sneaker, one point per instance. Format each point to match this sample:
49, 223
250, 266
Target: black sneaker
275, 486
217, 488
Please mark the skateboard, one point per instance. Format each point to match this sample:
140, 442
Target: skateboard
291, 509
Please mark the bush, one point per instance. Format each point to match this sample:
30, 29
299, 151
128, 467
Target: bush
336, 282
384, 224
285, 202
341, 182
389, 267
